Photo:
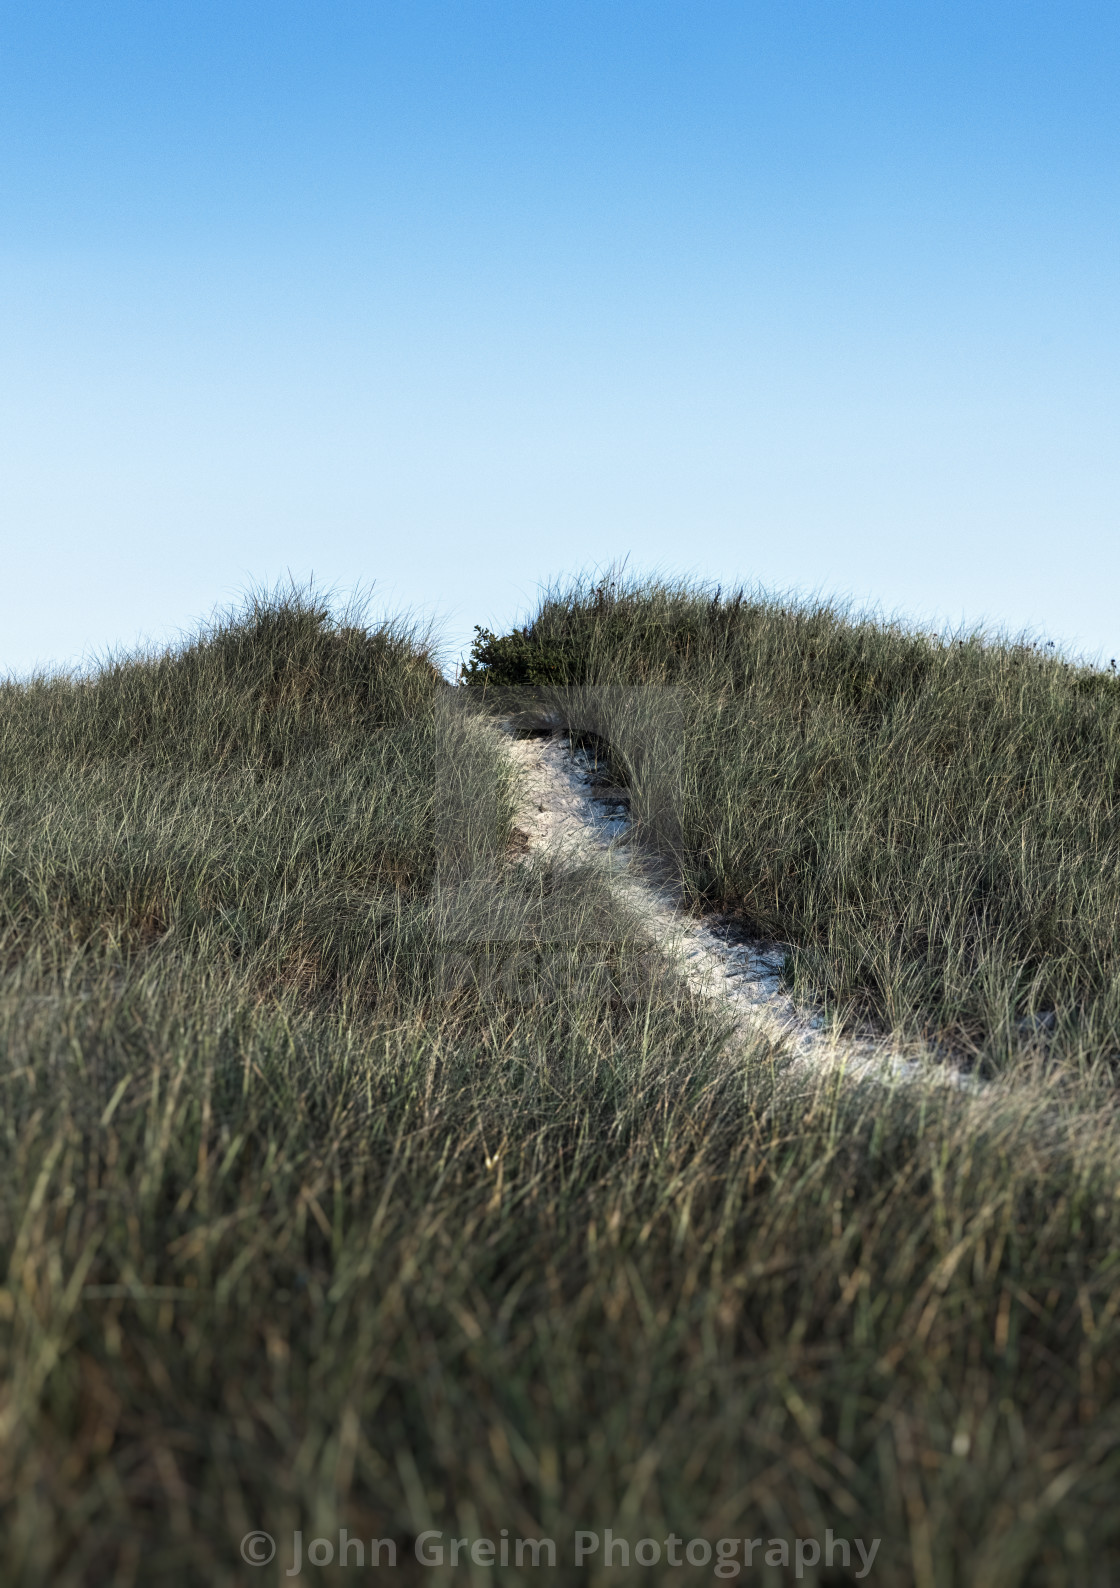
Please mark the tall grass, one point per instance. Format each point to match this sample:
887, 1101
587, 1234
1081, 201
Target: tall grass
932, 823
357, 1173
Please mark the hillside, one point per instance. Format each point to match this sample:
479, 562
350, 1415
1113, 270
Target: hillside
370, 1164
932, 823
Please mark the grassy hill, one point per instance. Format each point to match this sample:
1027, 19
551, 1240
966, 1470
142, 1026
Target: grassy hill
360, 1172
933, 824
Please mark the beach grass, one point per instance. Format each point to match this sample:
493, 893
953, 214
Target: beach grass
361, 1172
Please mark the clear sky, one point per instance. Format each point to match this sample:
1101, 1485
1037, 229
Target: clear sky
455, 296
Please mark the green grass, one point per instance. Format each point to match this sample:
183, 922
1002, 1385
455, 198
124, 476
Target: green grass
932, 824
357, 1173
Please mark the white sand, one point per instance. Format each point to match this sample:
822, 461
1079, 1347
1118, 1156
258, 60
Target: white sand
563, 813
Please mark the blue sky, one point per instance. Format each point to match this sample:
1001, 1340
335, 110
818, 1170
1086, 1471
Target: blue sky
456, 296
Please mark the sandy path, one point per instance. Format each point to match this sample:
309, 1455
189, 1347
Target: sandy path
567, 813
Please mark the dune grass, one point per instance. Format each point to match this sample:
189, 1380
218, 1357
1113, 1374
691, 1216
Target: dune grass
931, 823
359, 1173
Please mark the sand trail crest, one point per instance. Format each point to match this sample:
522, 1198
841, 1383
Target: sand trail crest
565, 812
